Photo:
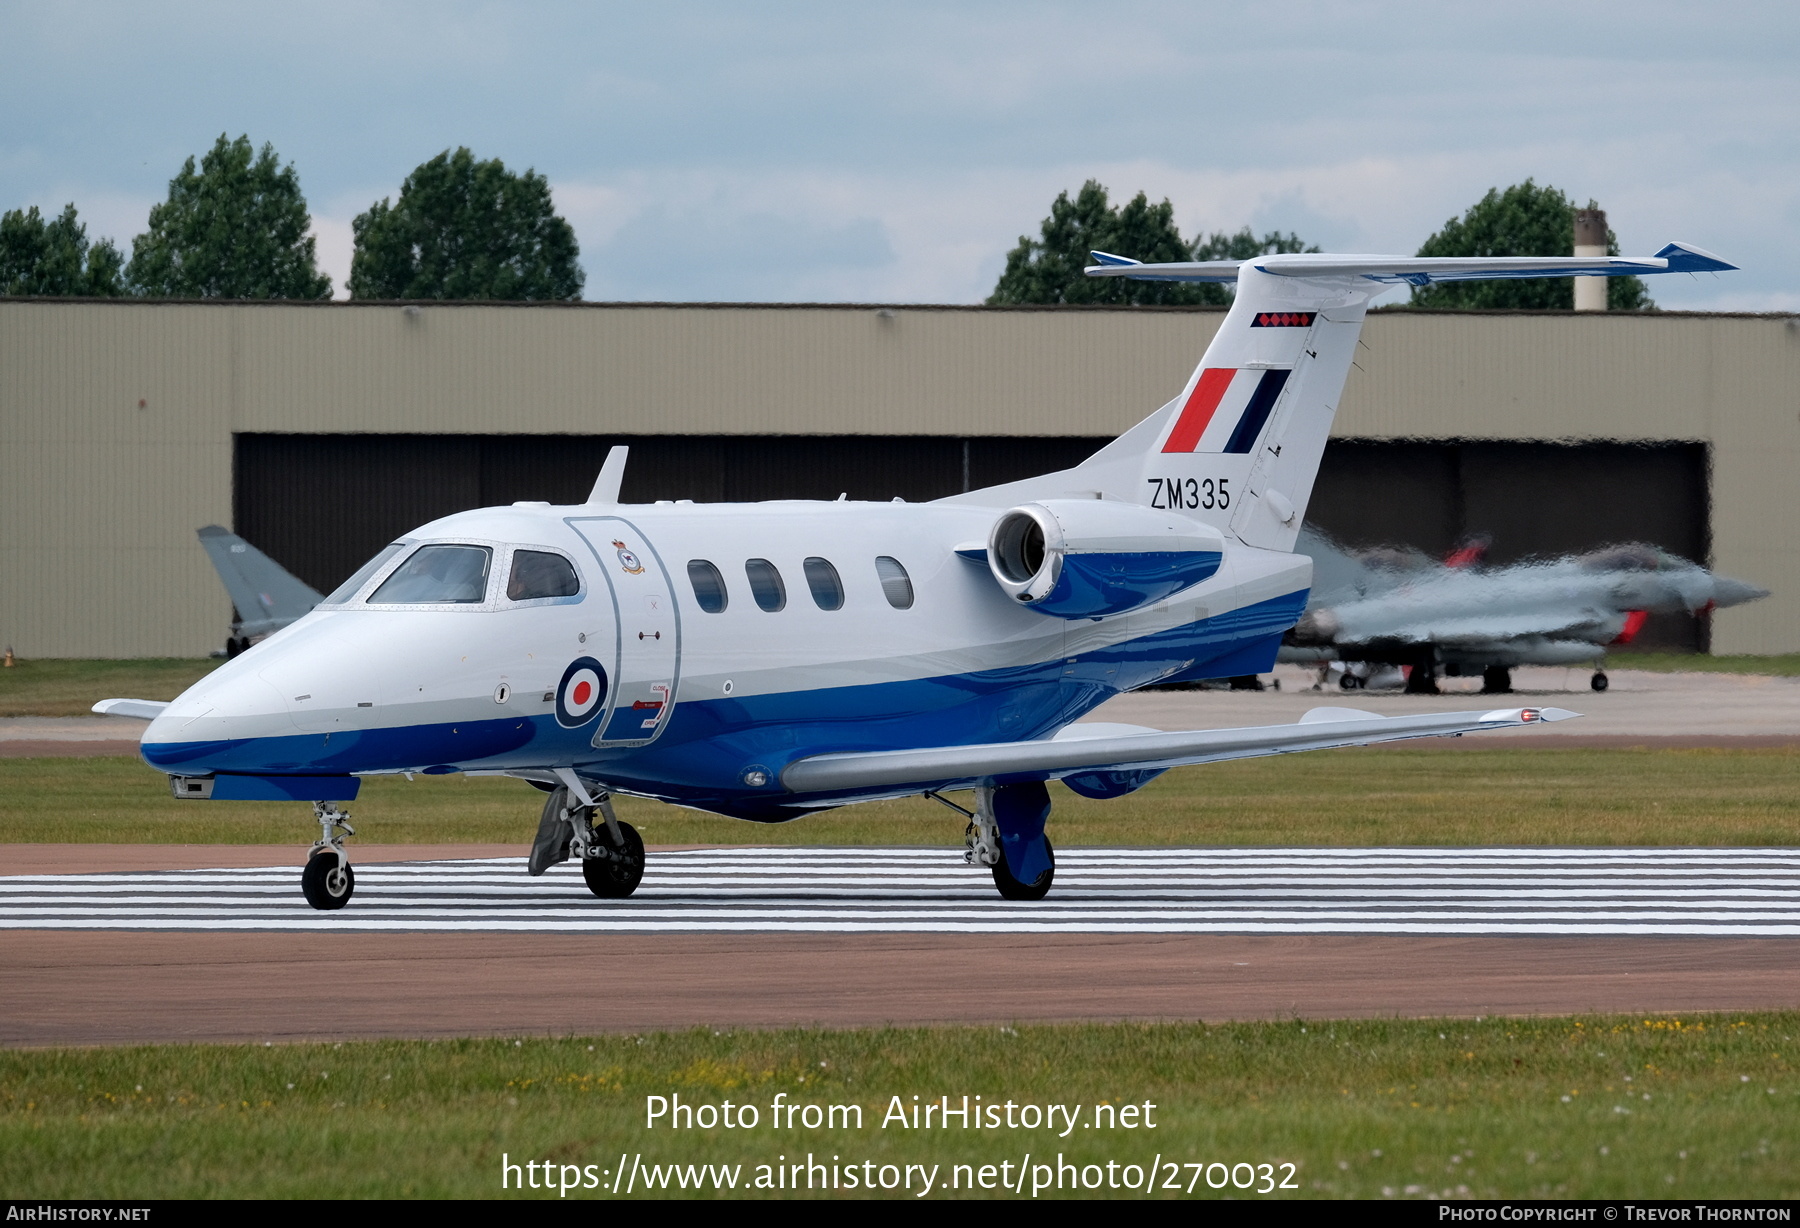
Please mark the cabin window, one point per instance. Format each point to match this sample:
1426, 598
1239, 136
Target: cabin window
709, 586
538, 573
896, 585
438, 575
765, 584
822, 579
349, 588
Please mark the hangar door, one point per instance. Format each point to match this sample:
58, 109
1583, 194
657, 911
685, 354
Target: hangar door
320, 505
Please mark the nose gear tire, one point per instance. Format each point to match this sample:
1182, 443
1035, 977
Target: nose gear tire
1011, 888
326, 882
616, 872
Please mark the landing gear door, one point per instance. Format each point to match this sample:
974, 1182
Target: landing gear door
642, 692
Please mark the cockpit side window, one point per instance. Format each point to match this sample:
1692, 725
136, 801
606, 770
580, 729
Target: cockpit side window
438, 575
538, 573
349, 588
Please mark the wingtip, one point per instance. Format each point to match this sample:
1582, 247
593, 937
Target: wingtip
1526, 716
1686, 258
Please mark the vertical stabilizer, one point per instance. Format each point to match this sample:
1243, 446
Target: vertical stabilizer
266, 595
1240, 447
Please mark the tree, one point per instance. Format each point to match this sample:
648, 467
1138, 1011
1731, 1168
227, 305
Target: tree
1524, 220
464, 229
236, 229
1244, 244
1049, 269
39, 257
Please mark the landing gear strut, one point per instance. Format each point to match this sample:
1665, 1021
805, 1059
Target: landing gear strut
1006, 834
612, 854
1496, 680
328, 881
1422, 679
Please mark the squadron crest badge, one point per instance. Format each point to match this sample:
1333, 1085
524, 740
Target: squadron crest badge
627, 559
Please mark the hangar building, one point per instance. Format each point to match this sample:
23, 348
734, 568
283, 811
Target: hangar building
321, 431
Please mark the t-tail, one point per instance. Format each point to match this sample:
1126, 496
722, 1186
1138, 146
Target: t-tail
1240, 446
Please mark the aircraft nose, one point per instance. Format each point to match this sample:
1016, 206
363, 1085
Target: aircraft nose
208, 721
1727, 591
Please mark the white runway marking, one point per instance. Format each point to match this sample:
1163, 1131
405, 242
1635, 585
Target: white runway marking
1543, 891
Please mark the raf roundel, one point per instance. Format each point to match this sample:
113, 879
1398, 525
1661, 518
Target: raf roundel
581, 694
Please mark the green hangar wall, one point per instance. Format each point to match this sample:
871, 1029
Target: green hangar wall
320, 431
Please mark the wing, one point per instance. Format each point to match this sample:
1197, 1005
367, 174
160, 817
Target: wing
137, 709
1110, 750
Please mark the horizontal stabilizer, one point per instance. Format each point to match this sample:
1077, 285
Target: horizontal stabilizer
1108, 265
1418, 270
137, 709
1051, 759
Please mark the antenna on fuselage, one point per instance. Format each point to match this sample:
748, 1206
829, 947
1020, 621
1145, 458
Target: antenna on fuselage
612, 476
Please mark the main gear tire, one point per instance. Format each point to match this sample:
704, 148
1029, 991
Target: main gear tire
1011, 888
616, 872
328, 882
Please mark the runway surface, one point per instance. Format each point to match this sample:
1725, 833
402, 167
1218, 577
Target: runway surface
1642, 892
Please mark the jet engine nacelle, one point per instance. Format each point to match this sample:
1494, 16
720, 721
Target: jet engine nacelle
1087, 558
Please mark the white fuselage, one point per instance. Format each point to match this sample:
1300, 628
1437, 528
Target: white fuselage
698, 702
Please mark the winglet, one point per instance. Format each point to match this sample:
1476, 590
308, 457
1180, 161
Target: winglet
1686, 258
1109, 258
612, 476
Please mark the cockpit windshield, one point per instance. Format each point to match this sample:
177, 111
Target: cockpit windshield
349, 588
438, 575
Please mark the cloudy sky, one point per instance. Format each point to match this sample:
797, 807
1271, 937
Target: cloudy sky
832, 152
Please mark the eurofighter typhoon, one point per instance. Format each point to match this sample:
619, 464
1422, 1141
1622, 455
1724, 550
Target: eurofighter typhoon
1400, 608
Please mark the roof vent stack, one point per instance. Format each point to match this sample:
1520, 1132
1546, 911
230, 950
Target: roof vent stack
1590, 240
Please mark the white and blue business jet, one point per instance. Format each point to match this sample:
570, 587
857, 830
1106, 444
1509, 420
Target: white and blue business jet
766, 660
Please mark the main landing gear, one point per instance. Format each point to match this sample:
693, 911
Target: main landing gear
612, 854
1006, 834
328, 881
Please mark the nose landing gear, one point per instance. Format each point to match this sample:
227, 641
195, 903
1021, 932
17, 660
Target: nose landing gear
328, 882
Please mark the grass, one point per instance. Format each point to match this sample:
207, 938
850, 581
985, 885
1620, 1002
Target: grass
1785, 665
71, 687
1374, 797
1598, 1107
